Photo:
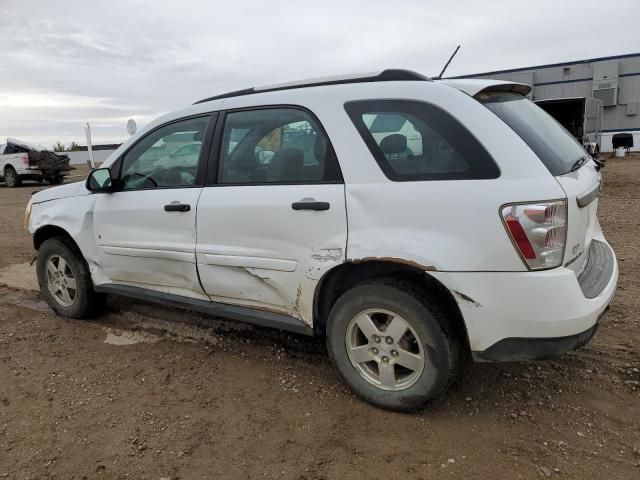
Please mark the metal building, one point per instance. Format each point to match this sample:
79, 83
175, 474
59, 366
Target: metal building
570, 86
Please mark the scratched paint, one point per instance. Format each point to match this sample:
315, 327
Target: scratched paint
327, 254
467, 298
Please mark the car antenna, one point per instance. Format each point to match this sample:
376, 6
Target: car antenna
439, 77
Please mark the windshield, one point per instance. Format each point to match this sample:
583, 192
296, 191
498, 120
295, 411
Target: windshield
549, 140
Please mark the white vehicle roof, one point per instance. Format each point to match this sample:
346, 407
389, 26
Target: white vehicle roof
469, 86
387, 83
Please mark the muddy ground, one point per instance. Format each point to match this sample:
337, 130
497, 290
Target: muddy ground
146, 392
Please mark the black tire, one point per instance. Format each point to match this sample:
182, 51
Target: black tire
85, 300
57, 180
11, 178
422, 312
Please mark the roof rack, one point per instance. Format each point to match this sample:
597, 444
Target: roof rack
384, 76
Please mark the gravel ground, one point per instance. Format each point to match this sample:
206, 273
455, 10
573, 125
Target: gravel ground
148, 392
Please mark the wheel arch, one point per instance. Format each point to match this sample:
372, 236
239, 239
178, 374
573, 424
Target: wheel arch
346, 275
49, 231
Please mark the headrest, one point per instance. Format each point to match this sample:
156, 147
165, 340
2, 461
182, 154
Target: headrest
288, 157
395, 143
320, 148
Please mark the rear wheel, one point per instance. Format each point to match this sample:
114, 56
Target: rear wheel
57, 180
11, 178
64, 279
391, 344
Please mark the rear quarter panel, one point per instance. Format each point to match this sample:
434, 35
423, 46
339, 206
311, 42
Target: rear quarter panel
451, 225
14, 160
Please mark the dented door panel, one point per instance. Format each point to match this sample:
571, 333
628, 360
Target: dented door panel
255, 250
140, 244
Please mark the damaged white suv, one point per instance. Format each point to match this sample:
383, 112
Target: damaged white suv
412, 222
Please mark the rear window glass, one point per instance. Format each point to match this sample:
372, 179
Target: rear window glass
413, 141
549, 140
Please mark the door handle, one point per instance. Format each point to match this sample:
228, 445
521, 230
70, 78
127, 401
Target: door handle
177, 207
311, 205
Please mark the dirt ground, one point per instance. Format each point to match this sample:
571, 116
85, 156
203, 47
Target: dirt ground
145, 392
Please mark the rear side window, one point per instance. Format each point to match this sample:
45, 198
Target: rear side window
549, 140
414, 140
275, 145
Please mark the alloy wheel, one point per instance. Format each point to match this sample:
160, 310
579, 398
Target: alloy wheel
61, 281
384, 349
10, 178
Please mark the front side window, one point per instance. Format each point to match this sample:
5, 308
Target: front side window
275, 145
413, 140
166, 158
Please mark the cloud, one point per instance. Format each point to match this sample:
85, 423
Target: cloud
65, 63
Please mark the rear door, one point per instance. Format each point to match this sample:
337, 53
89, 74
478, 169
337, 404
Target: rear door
272, 218
146, 231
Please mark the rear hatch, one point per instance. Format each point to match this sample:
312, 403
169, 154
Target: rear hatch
582, 188
564, 157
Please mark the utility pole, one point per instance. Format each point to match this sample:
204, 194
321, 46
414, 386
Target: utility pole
87, 132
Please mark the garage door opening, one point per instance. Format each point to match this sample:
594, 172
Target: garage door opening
581, 116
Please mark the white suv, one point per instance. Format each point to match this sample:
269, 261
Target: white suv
411, 222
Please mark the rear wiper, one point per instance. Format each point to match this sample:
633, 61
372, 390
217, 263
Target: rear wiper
582, 160
578, 163
599, 163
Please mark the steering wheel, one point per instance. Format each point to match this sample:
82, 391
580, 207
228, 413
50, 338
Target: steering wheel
143, 178
179, 169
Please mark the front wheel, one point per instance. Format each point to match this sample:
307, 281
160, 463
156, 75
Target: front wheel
390, 342
64, 279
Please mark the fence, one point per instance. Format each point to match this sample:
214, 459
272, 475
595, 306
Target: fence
83, 157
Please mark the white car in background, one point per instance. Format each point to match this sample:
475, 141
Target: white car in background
186, 154
426, 222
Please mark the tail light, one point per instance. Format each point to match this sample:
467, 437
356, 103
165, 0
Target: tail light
538, 231
25, 159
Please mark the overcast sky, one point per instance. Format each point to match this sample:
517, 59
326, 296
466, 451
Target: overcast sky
66, 62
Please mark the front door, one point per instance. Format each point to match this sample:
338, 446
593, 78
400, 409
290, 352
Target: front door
273, 220
146, 230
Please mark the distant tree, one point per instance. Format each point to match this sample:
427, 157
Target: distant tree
73, 147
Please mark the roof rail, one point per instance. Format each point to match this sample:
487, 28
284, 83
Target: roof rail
384, 76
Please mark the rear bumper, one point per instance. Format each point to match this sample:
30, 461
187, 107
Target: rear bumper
529, 349
512, 316
36, 172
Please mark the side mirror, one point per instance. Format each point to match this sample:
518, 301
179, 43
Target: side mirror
99, 181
